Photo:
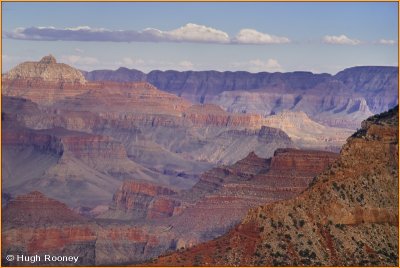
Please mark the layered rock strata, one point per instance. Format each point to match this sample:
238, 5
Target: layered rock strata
349, 216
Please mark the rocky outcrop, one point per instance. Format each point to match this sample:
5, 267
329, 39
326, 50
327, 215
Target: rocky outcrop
31, 79
348, 217
47, 69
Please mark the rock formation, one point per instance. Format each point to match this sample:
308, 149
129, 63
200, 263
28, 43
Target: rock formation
331, 100
141, 200
153, 171
46, 70
307, 133
145, 219
348, 217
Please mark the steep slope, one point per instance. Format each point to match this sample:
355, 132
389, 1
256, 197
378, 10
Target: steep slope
348, 217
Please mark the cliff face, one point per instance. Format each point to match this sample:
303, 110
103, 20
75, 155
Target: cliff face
270, 93
348, 217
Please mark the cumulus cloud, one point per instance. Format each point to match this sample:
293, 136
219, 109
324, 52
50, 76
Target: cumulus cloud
340, 40
188, 33
386, 42
197, 33
251, 36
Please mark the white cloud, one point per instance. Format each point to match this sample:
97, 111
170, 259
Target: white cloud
78, 50
79, 61
197, 33
257, 65
340, 40
386, 42
190, 32
251, 36
77, 28
150, 64
186, 65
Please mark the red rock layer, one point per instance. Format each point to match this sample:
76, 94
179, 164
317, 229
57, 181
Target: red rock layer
34, 224
349, 217
35, 209
84, 146
213, 115
141, 200
229, 192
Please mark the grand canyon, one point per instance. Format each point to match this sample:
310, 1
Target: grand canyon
199, 168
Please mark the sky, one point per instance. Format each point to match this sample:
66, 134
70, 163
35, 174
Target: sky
266, 36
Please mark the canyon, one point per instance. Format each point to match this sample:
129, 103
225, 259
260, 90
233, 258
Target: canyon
145, 220
120, 167
94, 135
349, 215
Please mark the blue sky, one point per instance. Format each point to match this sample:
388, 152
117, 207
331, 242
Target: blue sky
318, 37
